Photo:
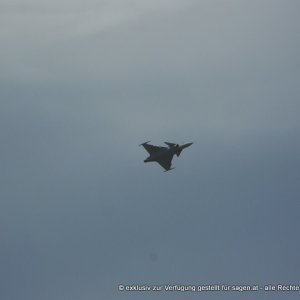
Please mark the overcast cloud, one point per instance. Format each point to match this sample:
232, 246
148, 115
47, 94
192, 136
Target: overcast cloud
83, 83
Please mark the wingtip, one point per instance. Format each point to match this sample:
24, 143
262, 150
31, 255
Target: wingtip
169, 169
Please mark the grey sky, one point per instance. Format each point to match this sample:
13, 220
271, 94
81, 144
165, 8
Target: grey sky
84, 82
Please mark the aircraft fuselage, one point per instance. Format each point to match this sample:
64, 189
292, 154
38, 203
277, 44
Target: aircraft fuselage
176, 149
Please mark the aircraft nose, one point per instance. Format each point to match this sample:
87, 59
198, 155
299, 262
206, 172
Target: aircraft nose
188, 144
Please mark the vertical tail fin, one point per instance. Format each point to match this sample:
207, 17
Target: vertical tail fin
170, 144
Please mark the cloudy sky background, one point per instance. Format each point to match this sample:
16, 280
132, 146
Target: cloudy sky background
84, 82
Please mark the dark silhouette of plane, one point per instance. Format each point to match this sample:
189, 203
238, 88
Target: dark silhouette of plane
163, 155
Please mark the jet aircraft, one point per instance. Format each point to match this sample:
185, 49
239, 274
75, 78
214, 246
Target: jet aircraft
163, 155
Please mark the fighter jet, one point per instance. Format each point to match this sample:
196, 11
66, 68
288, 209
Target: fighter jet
163, 155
